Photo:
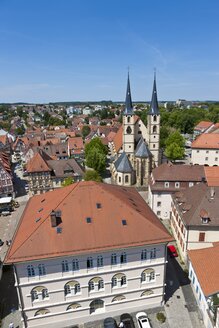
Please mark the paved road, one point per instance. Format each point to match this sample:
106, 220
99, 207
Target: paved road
181, 307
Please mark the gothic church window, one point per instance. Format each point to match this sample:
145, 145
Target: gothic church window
155, 118
154, 129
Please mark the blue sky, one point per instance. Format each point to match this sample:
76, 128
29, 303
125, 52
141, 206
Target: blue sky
69, 50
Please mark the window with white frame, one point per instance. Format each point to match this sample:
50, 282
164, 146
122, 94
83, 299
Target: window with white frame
72, 288
30, 271
123, 258
166, 184
42, 270
99, 261
75, 265
158, 204
113, 259
158, 213
153, 253
148, 275
177, 184
65, 267
144, 255
90, 263
39, 293
119, 280
191, 184
95, 284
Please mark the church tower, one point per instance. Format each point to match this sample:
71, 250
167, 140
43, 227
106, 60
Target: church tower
154, 126
128, 125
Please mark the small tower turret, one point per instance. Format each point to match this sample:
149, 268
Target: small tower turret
154, 125
128, 124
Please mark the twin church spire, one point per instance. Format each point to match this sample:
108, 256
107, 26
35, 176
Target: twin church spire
154, 109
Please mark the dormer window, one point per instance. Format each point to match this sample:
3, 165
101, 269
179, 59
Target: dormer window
204, 216
205, 220
166, 184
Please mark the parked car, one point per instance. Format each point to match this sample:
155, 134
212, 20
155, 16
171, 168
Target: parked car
172, 251
127, 320
109, 323
1, 243
5, 213
142, 320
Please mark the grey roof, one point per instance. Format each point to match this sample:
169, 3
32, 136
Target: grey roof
154, 109
122, 164
142, 149
128, 101
65, 168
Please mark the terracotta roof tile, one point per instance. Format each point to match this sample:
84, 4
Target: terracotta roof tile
36, 239
207, 258
207, 141
37, 164
212, 176
203, 125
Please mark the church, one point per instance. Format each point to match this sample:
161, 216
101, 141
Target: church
136, 146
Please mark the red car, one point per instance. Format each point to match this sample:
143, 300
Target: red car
172, 251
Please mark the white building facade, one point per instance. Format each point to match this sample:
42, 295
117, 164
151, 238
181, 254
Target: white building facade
66, 291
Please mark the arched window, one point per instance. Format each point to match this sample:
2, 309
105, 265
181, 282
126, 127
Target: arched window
129, 130
42, 312
119, 280
95, 284
137, 164
128, 119
39, 293
148, 275
73, 306
147, 292
155, 118
154, 129
72, 288
118, 298
96, 306
126, 178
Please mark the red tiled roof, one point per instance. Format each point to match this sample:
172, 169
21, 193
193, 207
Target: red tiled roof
212, 175
207, 141
203, 125
75, 143
37, 164
207, 258
36, 239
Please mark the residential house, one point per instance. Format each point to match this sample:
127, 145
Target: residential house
205, 283
167, 179
6, 176
195, 217
46, 174
202, 127
76, 148
205, 150
86, 251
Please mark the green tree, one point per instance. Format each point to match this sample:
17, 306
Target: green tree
85, 131
174, 151
92, 175
164, 133
97, 144
96, 159
175, 137
67, 182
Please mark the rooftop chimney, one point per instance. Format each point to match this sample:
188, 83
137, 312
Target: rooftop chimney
53, 219
212, 192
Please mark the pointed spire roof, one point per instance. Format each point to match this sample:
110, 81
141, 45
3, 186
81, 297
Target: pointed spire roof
142, 149
122, 164
128, 100
154, 109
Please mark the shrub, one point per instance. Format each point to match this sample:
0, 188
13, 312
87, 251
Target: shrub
161, 317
